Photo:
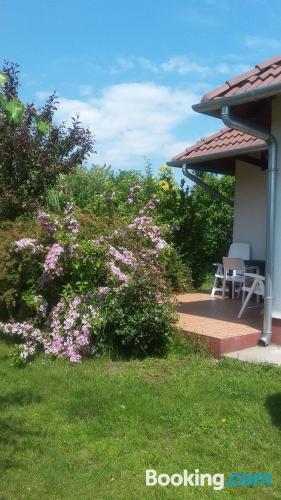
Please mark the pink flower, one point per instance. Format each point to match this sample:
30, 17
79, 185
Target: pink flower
47, 226
116, 271
27, 244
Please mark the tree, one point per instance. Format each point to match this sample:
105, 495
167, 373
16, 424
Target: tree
206, 228
34, 150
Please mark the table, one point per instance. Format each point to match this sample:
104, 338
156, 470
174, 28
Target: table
256, 263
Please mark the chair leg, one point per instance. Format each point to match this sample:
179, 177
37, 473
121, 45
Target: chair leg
223, 288
233, 289
245, 303
239, 290
214, 287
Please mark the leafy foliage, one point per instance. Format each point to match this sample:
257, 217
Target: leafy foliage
198, 225
205, 232
34, 151
137, 323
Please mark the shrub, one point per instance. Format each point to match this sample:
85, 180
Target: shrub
137, 324
177, 274
12, 276
79, 294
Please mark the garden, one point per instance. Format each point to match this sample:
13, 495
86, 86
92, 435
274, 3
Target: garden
92, 259
97, 383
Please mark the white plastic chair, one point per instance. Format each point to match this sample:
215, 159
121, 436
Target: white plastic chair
234, 270
239, 251
253, 284
236, 250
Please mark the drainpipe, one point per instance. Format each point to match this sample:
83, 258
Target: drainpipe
262, 133
203, 185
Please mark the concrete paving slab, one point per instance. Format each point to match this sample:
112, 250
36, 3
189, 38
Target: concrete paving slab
258, 354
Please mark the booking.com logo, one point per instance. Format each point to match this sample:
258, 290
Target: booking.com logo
199, 479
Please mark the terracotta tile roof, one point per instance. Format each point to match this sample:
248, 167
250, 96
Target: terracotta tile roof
263, 74
226, 142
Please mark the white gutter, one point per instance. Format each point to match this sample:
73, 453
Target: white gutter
213, 106
214, 192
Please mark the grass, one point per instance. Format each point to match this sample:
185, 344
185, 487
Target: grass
90, 431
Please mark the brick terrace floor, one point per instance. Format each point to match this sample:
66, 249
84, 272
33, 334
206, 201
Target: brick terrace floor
216, 319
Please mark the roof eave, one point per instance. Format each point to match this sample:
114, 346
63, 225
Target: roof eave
214, 106
216, 156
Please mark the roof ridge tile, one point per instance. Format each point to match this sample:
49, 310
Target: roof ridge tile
268, 62
260, 75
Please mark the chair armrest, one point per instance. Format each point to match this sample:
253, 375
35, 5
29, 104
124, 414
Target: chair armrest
254, 276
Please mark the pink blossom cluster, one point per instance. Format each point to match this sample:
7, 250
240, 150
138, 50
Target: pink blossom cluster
31, 336
53, 262
145, 226
151, 205
133, 193
70, 223
49, 227
52, 265
115, 234
69, 208
117, 273
41, 305
27, 244
123, 255
70, 329
103, 290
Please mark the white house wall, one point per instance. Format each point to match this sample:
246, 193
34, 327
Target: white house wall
250, 208
276, 130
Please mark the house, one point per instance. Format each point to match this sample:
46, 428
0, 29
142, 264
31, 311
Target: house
249, 147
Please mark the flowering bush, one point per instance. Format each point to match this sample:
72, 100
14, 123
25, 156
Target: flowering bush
85, 296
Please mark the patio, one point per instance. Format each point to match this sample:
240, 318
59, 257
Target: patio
214, 322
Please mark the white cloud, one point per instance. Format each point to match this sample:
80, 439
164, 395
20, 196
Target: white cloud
86, 90
179, 65
182, 66
42, 95
133, 120
147, 64
125, 63
232, 69
255, 42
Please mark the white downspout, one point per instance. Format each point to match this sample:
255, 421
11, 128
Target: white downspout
262, 133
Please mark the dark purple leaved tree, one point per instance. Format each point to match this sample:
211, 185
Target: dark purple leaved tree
34, 150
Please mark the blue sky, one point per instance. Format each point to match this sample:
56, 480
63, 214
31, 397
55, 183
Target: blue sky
133, 69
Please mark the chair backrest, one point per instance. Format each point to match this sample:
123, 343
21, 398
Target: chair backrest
239, 250
233, 264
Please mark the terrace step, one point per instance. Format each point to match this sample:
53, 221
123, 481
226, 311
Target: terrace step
219, 346
213, 322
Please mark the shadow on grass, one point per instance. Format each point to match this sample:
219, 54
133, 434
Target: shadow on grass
19, 398
15, 435
273, 405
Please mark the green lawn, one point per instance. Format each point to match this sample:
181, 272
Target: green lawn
90, 431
